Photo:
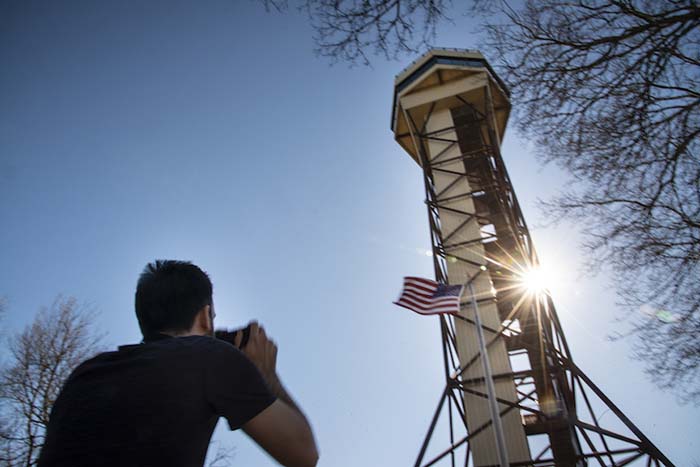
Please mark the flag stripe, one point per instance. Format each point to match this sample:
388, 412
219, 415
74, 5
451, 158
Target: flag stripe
431, 312
427, 301
429, 306
420, 287
417, 292
420, 280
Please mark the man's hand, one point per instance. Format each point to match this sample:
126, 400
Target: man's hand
261, 350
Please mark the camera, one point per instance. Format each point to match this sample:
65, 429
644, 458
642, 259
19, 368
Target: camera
230, 336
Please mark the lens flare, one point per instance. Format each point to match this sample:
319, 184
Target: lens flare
535, 280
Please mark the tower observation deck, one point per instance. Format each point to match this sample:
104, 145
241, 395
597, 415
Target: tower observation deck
513, 395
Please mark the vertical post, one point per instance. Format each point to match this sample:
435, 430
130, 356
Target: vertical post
490, 389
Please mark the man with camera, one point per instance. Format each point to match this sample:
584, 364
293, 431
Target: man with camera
157, 403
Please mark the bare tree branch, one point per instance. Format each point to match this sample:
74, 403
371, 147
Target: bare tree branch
351, 30
222, 457
608, 90
41, 359
276, 5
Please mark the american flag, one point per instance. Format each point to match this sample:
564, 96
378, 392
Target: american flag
428, 297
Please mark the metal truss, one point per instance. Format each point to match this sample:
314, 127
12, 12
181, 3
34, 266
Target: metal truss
560, 407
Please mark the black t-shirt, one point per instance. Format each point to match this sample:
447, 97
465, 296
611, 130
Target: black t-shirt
152, 404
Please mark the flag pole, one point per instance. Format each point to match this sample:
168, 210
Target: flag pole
490, 388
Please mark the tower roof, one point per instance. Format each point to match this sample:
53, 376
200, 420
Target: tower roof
440, 77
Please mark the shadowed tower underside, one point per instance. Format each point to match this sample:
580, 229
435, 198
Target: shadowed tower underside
450, 113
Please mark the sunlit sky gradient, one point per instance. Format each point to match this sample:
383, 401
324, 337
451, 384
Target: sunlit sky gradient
209, 131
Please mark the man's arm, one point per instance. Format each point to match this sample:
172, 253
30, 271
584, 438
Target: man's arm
281, 429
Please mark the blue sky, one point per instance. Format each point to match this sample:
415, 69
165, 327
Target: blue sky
210, 132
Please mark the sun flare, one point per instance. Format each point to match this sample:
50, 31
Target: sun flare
538, 280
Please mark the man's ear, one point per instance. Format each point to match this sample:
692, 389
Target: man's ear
203, 319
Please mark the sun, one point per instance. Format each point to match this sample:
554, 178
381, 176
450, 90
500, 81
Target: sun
538, 280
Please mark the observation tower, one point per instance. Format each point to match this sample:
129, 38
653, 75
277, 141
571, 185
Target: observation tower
513, 395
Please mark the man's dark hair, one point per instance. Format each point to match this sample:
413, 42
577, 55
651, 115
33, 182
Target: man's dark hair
169, 294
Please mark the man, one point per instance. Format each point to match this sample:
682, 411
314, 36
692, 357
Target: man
157, 403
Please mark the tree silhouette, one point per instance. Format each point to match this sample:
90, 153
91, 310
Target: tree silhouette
41, 357
608, 90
